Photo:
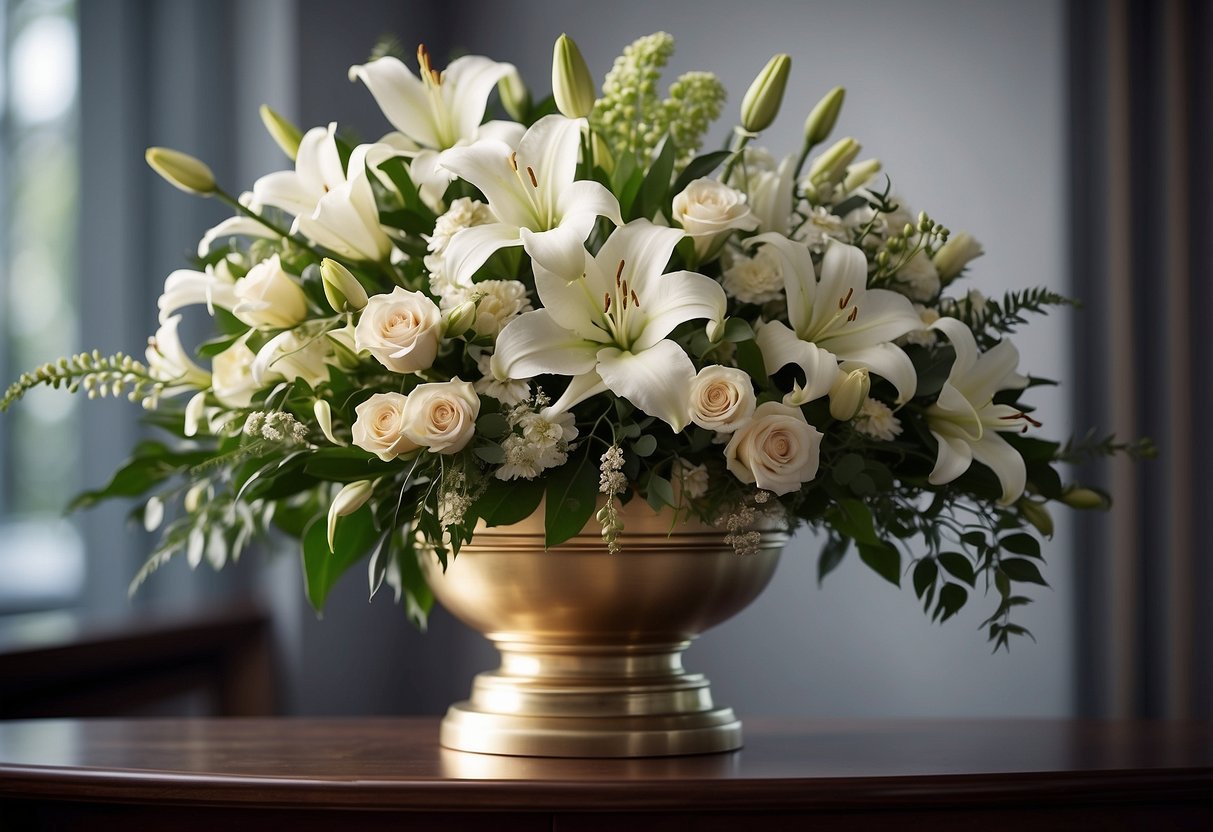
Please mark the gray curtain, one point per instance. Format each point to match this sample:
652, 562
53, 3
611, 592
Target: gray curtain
1141, 86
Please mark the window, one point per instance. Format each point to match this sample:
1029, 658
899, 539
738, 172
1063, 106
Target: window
41, 556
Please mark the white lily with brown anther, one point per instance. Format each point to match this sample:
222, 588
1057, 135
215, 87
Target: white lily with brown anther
437, 111
534, 196
966, 422
605, 320
836, 321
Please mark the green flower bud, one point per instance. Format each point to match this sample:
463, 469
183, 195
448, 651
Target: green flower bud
344, 292
762, 99
515, 97
820, 123
1085, 498
860, 174
572, 86
1036, 514
284, 134
831, 166
459, 320
848, 393
181, 170
348, 500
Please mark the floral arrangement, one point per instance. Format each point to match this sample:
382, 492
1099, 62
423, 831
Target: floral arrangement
573, 308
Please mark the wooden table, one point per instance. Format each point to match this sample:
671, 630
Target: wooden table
302, 774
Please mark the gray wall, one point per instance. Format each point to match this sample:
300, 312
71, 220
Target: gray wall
963, 102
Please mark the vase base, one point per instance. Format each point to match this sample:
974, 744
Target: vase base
466, 728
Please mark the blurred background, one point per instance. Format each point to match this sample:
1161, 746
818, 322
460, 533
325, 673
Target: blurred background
1071, 138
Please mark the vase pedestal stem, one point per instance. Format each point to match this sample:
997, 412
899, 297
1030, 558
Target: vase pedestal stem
556, 699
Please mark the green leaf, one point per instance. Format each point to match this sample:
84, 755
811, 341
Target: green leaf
396, 169
846, 468
698, 168
737, 330
958, 566
322, 568
346, 465
418, 597
645, 445
1021, 544
951, 598
572, 494
831, 555
505, 503
854, 519
925, 573
211, 348
1022, 570
490, 452
492, 425
653, 191
749, 359
660, 493
884, 559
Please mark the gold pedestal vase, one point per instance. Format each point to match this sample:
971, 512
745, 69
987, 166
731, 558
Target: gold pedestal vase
591, 642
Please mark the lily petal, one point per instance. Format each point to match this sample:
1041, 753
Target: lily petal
589, 199
997, 454
955, 456
890, 363
781, 346
547, 156
233, 227
487, 165
644, 248
674, 298
799, 278
472, 247
994, 370
402, 97
533, 344
883, 316
580, 388
467, 83
658, 380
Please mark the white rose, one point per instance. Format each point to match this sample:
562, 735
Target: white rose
441, 416
232, 375
709, 211
777, 450
401, 329
757, 279
722, 398
267, 297
379, 427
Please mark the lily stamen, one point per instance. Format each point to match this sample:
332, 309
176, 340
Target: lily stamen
531, 173
635, 300
854, 314
618, 272
514, 161
606, 302
842, 303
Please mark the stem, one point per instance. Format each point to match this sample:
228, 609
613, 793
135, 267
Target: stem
742, 140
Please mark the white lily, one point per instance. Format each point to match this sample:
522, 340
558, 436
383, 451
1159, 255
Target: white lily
334, 206
186, 287
966, 422
836, 321
768, 188
534, 195
605, 322
168, 361
437, 111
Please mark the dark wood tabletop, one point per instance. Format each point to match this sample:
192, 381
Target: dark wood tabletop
948, 773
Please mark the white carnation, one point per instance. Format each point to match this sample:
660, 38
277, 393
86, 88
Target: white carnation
821, 226
463, 213
507, 392
917, 279
756, 279
876, 420
500, 301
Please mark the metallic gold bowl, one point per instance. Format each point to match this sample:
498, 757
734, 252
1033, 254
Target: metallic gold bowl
591, 643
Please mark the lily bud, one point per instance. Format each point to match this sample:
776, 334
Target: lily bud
324, 417
820, 123
859, 174
193, 497
831, 166
1084, 498
459, 320
1036, 514
181, 170
348, 500
341, 288
762, 99
572, 86
515, 97
954, 255
848, 393
284, 134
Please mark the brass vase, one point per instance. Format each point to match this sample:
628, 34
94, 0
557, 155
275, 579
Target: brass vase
591, 642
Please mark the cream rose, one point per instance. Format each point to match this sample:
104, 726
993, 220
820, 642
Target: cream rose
708, 211
441, 416
777, 450
401, 330
269, 298
722, 398
379, 426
